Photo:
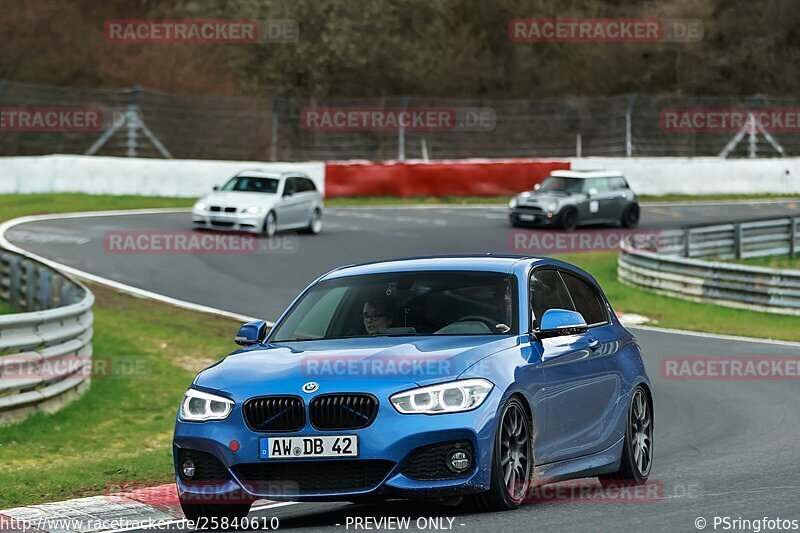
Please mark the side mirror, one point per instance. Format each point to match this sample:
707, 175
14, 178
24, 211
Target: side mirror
558, 322
288, 192
592, 192
215, 188
251, 333
537, 186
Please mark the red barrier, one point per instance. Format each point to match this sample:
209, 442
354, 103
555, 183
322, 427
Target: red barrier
438, 178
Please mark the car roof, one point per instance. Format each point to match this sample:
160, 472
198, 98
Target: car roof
587, 174
258, 173
481, 263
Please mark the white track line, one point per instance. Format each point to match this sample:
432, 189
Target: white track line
4, 243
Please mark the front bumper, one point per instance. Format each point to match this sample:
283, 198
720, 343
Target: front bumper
392, 438
227, 221
520, 216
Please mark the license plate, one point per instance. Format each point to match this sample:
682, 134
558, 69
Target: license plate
527, 218
215, 218
304, 447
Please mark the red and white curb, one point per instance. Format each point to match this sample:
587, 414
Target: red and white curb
149, 508
110, 512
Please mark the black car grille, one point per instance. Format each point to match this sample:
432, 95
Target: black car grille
310, 477
430, 462
274, 413
217, 209
530, 209
207, 468
342, 411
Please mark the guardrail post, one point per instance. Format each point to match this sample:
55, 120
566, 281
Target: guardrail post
793, 237
14, 274
687, 243
737, 241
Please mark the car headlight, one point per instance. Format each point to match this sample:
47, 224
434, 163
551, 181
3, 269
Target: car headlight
200, 206
453, 397
200, 406
253, 210
552, 206
513, 203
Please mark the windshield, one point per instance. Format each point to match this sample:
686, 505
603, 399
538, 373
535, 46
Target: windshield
558, 184
249, 184
404, 304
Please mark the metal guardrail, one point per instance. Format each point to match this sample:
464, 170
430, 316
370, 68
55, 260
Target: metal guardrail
676, 265
45, 350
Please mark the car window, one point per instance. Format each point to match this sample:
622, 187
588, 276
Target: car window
548, 291
404, 304
291, 186
586, 298
617, 183
601, 184
308, 185
251, 184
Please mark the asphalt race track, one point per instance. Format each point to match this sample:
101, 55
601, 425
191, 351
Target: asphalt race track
264, 283
722, 448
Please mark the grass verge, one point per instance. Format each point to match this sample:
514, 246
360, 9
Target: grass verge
783, 262
682, 314
121, 429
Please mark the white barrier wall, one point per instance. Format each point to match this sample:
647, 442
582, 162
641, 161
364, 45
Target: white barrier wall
701, 175
127, 175
192, 178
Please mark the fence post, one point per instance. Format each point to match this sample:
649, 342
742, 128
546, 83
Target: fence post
737, 241
132, 120
793, 237
273, 149
628, 126
578, 145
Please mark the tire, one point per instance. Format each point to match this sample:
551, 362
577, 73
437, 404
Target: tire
634, 468
315, 224
630, 216
270, 225
202, 514
501, 497
568, 219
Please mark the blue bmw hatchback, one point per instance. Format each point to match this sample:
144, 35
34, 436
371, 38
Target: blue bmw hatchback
432, 378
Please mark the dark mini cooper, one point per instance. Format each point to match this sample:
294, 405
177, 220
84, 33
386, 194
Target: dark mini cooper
570, 198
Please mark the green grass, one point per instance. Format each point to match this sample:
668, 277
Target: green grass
681, 314
17, 205
783, 262
121, 429
4, 307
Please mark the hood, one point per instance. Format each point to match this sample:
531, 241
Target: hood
381, 365
543, 198
240, 199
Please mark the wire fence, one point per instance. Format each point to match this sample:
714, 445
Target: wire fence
147, 123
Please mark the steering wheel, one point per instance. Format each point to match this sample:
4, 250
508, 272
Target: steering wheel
491, 324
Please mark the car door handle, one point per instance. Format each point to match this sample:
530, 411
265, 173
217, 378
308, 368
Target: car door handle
594, 345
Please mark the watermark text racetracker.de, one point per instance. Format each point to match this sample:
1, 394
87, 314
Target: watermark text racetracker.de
557, 241
194, 242
734, 368
728, 120
605, 30
410, 119
140, 31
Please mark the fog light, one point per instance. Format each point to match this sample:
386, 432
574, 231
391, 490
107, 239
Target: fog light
459, 461
187, 469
